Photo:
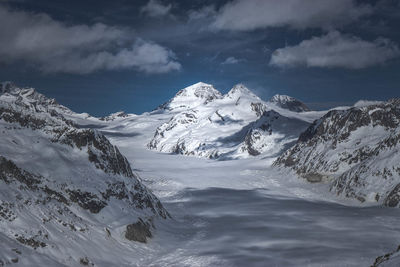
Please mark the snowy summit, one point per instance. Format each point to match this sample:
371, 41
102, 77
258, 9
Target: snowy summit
289, 102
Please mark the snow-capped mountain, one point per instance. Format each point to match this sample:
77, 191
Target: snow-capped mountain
68, 197
356, 149
235, 125
192, 96
67, 194
289, 103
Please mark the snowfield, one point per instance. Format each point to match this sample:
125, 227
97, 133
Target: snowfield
239, 211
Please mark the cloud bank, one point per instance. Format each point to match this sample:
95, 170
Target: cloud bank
336, 50
51, 46
246, 15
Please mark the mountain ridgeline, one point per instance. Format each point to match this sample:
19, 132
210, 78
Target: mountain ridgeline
239, 124
64, 186
357, 150
67, 191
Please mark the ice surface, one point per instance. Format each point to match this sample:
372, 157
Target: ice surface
246, 213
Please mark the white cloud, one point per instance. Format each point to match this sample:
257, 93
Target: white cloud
336, 50
231, 60
155, 8
51, 46
246, 15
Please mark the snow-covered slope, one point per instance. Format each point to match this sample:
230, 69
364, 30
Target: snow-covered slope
289, 103
357, 149
236, 125
67, 195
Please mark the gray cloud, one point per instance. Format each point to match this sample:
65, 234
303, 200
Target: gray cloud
155, 8
246, 15
51, 46
336, 50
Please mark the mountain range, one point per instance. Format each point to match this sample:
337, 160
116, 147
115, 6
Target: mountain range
63, 183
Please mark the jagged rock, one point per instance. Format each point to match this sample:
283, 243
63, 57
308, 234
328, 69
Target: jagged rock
139, 231
114, 116
393, 198
389, 259
87, 200
9, 172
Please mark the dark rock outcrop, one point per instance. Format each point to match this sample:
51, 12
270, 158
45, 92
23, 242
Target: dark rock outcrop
139, 231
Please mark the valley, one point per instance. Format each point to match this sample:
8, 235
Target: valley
221, 211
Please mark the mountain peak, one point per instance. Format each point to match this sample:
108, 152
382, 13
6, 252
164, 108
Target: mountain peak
288, 102
200, 90
192, 96
29, 98
6, 87
240, 90
281, 98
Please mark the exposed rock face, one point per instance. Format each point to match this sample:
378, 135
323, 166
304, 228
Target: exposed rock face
139, 231
100, 151
56, 178
389, 259
272, 133
115, 116
289, 103
357, 148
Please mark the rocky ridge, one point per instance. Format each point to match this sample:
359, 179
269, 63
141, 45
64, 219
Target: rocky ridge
58, 178
355, 149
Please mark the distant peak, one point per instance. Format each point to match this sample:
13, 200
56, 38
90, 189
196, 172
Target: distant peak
288, 102
281, 98
200, 90
365, 103
7, 87
27, 94
241, 90
198, 84
191, 96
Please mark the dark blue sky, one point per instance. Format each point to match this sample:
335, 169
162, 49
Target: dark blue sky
104, 56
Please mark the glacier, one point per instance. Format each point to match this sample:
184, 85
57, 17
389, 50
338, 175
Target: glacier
226, 205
